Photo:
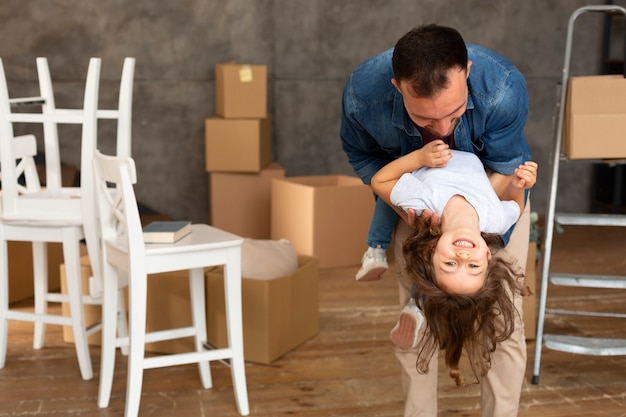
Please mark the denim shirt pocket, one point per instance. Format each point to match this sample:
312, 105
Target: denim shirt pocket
478, 145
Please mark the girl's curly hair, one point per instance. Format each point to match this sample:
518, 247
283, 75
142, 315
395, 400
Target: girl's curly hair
475, 322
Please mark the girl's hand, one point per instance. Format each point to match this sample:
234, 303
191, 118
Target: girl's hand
435, 154
525, 175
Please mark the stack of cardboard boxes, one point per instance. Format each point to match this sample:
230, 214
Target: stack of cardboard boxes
239, 152
325, 216
279, 313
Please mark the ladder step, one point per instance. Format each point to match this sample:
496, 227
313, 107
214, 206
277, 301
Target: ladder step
590, 219
585, 280
586, 345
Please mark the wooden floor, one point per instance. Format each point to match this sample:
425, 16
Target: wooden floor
348, 369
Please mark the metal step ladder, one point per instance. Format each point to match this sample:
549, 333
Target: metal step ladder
567, 343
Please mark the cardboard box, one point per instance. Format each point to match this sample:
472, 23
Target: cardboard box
529, 304
20, 255
279, 314
240, 90
324, 216
595, 117
241, 202
238, 145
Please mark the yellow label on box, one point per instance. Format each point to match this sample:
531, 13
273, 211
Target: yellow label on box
245, 74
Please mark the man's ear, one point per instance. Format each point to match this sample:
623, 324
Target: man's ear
469, 65
395, 84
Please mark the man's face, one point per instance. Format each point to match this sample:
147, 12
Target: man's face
439, 114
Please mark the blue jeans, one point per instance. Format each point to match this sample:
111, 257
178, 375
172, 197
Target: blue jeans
381, 228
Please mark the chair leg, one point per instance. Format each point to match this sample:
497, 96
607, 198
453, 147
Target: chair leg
40, 277
198, 314
137, 294
110, 302
234, 327
4, 300
71, 256
122, 320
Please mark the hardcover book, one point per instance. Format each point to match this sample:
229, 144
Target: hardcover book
166, 231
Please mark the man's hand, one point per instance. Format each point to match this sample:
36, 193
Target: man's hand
432, 218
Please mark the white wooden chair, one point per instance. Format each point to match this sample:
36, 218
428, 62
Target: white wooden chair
123, 115
36, 214
126, 256
40, 215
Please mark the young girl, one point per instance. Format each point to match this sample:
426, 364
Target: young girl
384, 219
461, 288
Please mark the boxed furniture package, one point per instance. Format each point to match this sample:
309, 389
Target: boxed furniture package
327, 216
240, 203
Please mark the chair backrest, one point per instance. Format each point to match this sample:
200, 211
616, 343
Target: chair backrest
51, 205
50, 116
124, 110
123, 115
51, 133
118, 212
25, 150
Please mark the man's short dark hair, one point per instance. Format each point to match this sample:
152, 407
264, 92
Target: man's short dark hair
424, 56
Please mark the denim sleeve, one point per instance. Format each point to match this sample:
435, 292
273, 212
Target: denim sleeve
504, 141
364, 152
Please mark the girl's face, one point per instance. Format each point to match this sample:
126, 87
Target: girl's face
460, 261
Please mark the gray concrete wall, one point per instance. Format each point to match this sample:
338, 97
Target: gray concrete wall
310, 47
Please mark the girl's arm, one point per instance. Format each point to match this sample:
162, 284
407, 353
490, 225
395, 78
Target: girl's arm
524, 178
434, 154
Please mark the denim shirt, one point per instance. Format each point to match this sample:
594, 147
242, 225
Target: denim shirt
375, 127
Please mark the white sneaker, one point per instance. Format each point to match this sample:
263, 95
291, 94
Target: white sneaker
373, 264
404, 333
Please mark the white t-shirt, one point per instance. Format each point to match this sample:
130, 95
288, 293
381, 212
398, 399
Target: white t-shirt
431, 188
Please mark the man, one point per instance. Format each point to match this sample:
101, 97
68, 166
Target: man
432, 85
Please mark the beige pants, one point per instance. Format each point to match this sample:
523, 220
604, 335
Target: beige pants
501, 388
